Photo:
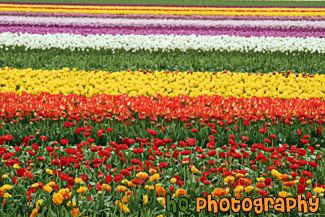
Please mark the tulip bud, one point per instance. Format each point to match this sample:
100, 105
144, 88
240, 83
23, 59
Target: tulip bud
99, 192
289, 194
321, 195
173, 180
5, 176
185, 162
297, 177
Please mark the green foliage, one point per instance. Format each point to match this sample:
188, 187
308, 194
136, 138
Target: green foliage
191, 60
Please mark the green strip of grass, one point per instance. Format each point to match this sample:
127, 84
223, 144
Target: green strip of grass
172, 61
185, 2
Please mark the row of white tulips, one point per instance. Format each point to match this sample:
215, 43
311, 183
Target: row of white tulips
164, 43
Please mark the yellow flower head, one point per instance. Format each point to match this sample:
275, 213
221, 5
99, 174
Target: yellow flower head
6, 195
51, 184
82, 189
194, 170
145, 199
239, 189
35, 185
39, 203
154, 177
16, 166
152, 171
276, 174
47, 188
131, 184
260, 179
122, 206
240, 175
48, 171
78, 180
6, 187
249, 189
74, 204
57, 199
283, 194
319, 190
161, 200
64, 190
229, 179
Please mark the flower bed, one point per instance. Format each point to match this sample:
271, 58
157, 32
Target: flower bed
65, 81
173, 33
107, 138
71, 151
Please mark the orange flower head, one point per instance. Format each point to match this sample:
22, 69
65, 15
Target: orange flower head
75, 212
106, 187
181, 192
142, 175
218, 192
160, 191
121, 188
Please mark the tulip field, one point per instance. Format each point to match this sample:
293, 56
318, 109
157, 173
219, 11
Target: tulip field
144, 110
